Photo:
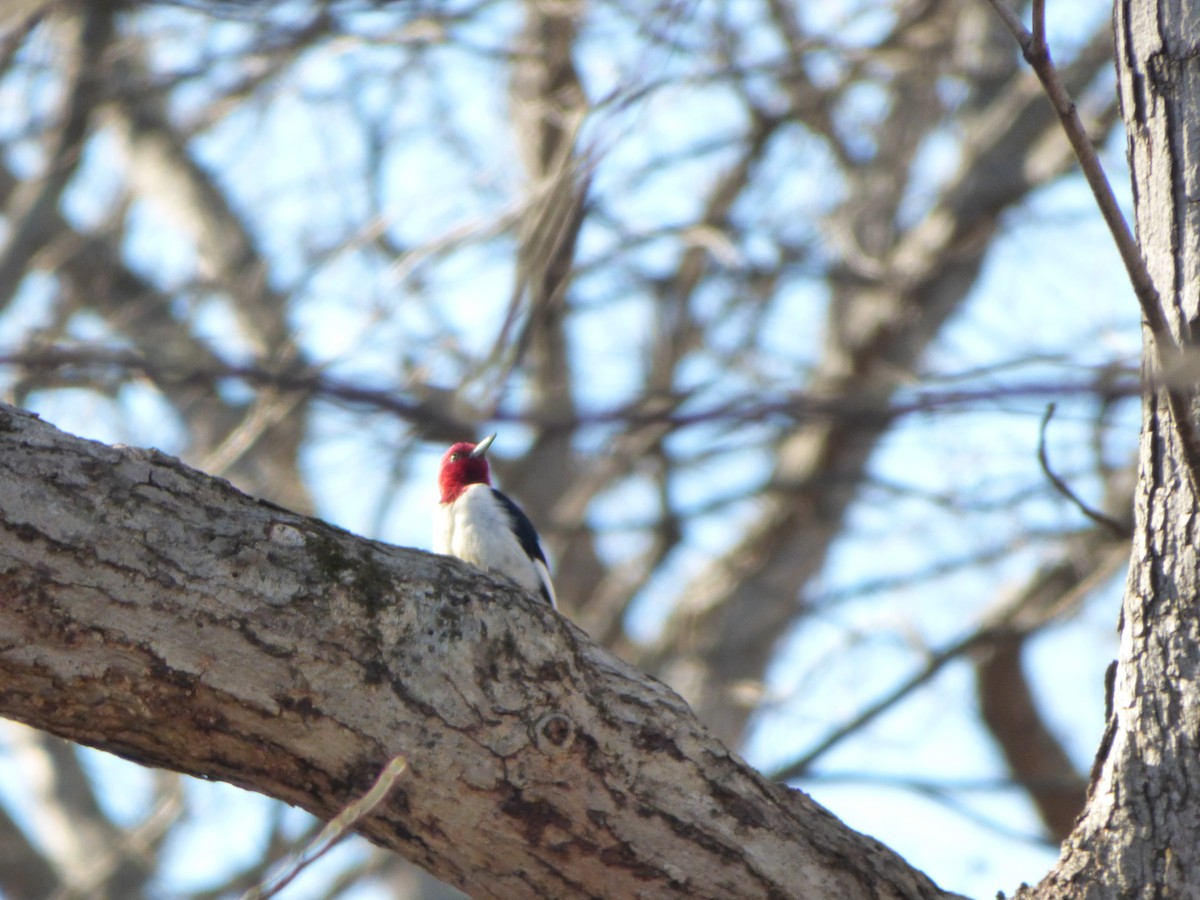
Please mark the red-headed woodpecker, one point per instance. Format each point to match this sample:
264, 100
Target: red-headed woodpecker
480, 525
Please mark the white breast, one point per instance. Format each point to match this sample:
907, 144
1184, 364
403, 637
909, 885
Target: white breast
476, 529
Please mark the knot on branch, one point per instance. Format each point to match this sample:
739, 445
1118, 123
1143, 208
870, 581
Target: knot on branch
553, 734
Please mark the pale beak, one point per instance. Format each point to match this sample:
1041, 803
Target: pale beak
482, 447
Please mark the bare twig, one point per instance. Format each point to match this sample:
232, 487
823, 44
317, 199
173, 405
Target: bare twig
1045, 600
945, 794
36, 201
136, 845
435, 422
337, 829
934, 664
1039, 23
269, 409
1166, 346
1065, 489
22, 15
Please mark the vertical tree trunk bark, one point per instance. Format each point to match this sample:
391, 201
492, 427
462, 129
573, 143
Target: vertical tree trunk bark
1138, 835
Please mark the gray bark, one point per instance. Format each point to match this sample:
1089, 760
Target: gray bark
1137, 836
157, 613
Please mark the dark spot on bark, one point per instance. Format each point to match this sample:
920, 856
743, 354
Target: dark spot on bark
361, 776
327, 554
556, 730
301, 706
402, 832
370, 582
448, 624
397, 799
278, 651
496, 652
622, 856
374, 671
94, 468
598, 817
738, 807
593, 757
1164, 73
1110, 683
509, 644
535, 815
400, 689
431, 828
25, 533
208, 720
373, 585
164, 674
551, 670
695, 835
553, 734
587, 848
652, 740
486, 671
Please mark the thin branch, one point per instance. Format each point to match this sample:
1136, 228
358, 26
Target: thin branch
1020, 616
436, 422
36, 201
270, 408
276, 847
1039, 23
934, 664
134, 847
1166, 346
944, 795
1063, 488
332, 833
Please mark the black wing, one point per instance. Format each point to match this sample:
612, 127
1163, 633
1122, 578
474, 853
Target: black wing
522, 527
527, 536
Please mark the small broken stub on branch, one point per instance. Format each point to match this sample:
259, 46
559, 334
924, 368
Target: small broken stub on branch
553, 734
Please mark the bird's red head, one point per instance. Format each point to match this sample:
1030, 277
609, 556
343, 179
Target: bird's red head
463, 465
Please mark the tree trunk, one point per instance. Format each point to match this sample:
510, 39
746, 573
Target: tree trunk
1138, 834
159, 614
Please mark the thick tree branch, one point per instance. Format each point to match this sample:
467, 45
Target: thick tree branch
1034, 754
1007, 701
34, 203
549, 104
1136, 833
87, 849
25, 874
160, 614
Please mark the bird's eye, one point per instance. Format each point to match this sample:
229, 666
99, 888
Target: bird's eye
455, 457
